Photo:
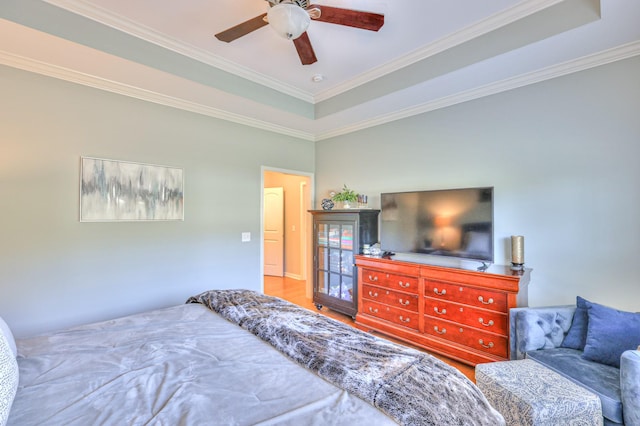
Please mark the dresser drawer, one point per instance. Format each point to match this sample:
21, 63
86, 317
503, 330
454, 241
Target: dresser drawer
478, 297
392, 298
397, 316
468, 336
391, 281
483, 319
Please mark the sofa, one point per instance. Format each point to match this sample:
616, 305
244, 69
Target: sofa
592, 345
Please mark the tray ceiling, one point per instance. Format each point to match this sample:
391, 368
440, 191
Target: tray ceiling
429, 54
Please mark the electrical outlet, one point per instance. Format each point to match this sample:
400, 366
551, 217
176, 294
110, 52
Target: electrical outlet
246, 237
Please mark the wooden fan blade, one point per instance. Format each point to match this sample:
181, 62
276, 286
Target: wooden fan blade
351, 18
305, 50
242, 29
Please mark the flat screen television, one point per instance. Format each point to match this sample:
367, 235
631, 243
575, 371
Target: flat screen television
452, 223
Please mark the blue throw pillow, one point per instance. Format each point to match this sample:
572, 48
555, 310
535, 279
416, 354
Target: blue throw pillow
609, 333
576, 337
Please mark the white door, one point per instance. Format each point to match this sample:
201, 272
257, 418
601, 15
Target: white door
274, 232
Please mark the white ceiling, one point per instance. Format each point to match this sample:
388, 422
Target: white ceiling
429, 54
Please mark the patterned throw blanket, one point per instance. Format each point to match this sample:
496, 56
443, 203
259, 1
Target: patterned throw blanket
410, 386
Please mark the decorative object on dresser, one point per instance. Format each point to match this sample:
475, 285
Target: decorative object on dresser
517, 252
339, 235
459, 313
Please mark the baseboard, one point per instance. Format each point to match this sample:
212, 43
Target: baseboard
293, 276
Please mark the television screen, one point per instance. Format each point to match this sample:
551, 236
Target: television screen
453, 222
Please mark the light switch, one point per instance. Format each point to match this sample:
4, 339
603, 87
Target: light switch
246, 237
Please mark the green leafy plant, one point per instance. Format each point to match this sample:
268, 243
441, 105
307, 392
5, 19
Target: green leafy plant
346, 195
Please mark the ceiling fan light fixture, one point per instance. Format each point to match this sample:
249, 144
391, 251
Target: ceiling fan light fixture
288, 20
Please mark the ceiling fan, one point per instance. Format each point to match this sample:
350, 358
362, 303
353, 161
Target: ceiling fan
290, 19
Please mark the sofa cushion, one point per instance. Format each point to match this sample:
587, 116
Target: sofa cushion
577, 335
542, 329
603, 380
610, 332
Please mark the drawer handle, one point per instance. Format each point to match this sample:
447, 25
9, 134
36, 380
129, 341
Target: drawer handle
404, 285
373, 311
372, 294
489, 346
442, 312
486, 324
373, 278
403, 319
441, 293
481, 300
443, 331
404, 302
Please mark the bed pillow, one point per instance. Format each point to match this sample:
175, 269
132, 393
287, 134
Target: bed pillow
4, 329
609, 333
576, 337
8, 379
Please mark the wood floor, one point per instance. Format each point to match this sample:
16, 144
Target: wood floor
294, 291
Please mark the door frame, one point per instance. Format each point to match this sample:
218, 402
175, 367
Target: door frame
307, 235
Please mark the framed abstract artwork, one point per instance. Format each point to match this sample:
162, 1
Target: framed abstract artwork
112, 190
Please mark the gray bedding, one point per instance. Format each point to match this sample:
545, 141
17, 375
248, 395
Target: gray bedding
412, 387
183, 365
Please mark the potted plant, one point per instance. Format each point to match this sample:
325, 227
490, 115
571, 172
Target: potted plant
346, 197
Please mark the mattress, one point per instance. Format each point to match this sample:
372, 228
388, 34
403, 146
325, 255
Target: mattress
183, 365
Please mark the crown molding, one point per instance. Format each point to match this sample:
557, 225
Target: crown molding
73, 76
498, 20
120, 23
580, 64
456, 38
618, 53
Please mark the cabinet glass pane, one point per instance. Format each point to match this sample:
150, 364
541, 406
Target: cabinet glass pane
347, 288
323, 258
334, 260
334, 285
347, 262
334, 236
323, 282
322, 234
346, 240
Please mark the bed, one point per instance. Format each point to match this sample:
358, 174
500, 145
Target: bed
235, 357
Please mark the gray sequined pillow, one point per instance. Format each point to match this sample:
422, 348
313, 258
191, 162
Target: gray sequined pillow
8, 379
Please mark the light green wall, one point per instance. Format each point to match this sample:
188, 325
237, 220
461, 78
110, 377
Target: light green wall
56, 271
563, 157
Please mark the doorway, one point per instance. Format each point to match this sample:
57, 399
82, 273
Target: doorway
297, 188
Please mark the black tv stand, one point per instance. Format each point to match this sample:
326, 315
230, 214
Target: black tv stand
483, 267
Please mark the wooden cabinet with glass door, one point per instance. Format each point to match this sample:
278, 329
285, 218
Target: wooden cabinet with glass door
338, 235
